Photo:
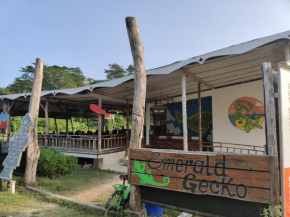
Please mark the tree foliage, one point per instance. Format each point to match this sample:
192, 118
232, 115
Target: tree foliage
117, 71
54, 77
60, 77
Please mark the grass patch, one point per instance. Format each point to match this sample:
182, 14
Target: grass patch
73, 184
27, 203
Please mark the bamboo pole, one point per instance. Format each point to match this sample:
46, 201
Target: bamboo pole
184, 112
138, 104
199, 117
32, 150
100, 125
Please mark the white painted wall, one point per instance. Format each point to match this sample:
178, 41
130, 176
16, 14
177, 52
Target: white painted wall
223, 130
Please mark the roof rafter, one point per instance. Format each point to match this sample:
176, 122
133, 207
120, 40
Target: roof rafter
187, 72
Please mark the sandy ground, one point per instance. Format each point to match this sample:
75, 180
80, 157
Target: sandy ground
99, 194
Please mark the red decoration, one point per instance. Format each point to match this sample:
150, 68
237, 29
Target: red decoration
99, 110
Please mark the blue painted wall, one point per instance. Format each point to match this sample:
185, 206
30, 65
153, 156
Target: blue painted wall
176, 127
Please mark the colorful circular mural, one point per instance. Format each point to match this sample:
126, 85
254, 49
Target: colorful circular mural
247, 113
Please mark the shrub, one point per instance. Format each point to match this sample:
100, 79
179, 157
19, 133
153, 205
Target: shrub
53, 163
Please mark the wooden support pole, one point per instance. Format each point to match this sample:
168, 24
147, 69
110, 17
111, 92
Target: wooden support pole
8, 120
271, 133
184, 112
72, 125
287, 51
148, 110
66, 125
55, 124
32, 150
138, 104
47, 116
127, 125
100, 125
87, 123
199, 117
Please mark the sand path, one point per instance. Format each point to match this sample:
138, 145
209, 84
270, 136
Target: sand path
99, 194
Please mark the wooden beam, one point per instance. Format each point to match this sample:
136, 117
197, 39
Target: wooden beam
195, 77
32, 149
184, 112
100, 125
199, 117
139, 103
271, 133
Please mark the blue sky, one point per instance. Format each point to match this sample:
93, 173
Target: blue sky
91, 33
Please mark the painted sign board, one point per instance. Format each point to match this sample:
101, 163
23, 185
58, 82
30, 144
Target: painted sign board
17, 145
234, 176
284, 116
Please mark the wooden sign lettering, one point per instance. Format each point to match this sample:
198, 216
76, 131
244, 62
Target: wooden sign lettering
242, 177
17, 145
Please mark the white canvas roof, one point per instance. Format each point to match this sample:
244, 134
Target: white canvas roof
236, 64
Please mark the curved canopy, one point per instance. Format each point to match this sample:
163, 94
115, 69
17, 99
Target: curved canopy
201, 59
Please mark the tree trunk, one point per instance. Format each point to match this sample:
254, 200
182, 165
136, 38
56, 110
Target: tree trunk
139, 101
32, 150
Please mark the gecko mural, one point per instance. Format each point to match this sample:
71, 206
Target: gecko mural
247, 113
146, 177
174, 118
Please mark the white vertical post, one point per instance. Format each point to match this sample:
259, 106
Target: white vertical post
12, 186
148, 107
184, 113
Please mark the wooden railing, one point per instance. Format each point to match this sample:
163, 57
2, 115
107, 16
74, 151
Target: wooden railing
82, 142
232, 148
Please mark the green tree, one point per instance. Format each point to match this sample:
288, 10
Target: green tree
117, 71
54, 77
130, 70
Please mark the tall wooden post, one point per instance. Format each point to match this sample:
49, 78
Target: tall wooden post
32, 150
46, 116
184, 112
100, 125
199, 117
271, 133
138, 104
148, 108
127, 125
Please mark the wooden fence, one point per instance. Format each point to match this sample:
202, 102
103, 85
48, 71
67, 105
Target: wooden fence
83, 142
